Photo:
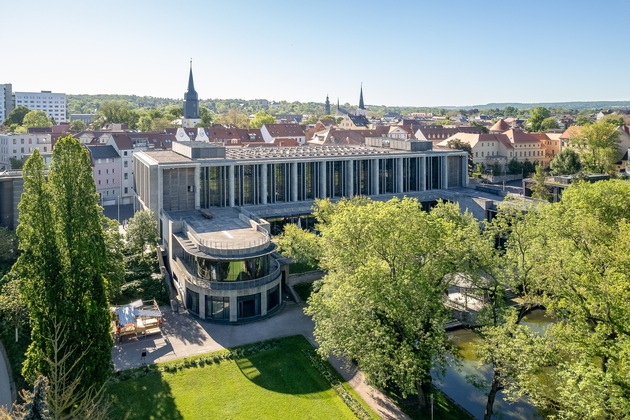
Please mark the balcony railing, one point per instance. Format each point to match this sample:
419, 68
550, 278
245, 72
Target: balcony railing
187, 270
228, 248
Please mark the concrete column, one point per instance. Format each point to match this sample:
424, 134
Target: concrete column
202, 305
322, 180
263, 302
233, 308
263, 184
294, 182
423, 172
349, 178
375, 176
444, 173
197, 187
231, 185
465, 171
399, 175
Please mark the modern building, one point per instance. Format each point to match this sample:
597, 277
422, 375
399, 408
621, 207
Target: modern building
54, 104
11, 187
209, 199
6, 101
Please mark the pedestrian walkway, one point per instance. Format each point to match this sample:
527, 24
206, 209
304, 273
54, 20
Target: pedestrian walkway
185, 336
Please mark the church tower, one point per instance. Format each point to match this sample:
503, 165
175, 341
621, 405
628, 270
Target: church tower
327, 107
361, 109
191, 103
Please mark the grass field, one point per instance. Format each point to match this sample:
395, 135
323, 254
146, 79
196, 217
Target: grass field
276, 383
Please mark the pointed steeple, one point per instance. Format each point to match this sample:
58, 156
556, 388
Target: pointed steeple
191, 99
337, 102
191, 84
361, 105
327, 107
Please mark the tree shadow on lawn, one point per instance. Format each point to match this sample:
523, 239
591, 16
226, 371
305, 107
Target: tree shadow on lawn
143, 398
284, 369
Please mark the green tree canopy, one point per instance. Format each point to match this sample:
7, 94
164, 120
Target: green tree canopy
16, 116
116, 112
261, 118
77, 125
63, 261
536, 117
381, 302
567, 162
549, 124
539, 189
37, 118
577, 262
233, 118
142, 232
599, 145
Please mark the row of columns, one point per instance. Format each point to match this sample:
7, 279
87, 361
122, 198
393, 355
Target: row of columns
349, 178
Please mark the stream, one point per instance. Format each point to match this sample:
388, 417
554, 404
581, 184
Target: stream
455, 385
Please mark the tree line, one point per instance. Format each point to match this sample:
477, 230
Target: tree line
388, 266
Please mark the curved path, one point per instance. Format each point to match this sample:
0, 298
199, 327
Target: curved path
185, 336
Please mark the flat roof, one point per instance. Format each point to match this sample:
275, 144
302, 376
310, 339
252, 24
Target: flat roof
225, 228
285, 152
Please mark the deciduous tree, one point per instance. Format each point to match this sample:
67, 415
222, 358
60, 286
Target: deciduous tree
599, 145
536, 117
37, 118
539, 189
567, 162
261, 118
16, 116
381, 302
142, 232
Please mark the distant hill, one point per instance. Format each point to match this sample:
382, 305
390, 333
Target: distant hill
561, 105
85, 104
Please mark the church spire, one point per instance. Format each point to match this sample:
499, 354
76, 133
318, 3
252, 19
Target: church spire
361, 105
327, 107
191, 99
191, 84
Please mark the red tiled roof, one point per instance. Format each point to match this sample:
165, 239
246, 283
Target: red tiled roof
500, 126
284, 130
518, 136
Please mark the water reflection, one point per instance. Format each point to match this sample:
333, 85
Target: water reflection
455, 383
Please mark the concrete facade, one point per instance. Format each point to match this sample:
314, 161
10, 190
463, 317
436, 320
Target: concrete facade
54, 104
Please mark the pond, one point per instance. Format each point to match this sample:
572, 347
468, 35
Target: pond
456, 385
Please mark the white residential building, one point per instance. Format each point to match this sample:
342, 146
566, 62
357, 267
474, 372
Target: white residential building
21, 146
54, 104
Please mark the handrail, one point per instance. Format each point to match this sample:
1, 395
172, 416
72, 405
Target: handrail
220, 245
227, 285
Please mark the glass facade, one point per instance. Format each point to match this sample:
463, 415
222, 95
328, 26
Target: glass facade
248, 269
192, 301
269, 183
218, 308
248, 306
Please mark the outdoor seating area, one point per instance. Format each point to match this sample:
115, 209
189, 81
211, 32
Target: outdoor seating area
137, 319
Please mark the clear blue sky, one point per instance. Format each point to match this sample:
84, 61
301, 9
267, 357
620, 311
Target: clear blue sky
405, 52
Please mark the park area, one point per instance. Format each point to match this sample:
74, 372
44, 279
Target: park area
281, 378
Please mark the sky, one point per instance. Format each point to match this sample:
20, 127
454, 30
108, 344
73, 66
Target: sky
406, 53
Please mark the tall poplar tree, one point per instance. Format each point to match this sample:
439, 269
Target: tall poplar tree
65, 285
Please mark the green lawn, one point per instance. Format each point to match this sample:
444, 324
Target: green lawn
275, 383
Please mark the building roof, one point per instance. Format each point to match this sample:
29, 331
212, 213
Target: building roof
359, 120
500, 126
284, 130
474, 138
520, 137
438, 133
103, 152
571, 132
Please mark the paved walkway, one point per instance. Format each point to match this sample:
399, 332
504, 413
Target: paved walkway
185, 336
6, 399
